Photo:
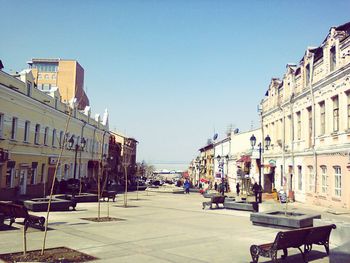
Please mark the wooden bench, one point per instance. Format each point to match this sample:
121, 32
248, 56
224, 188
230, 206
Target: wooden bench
294, 239
13, 211
219, 199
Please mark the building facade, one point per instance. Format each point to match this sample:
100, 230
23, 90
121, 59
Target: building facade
34, 128
126, 162
307, 115
66, 75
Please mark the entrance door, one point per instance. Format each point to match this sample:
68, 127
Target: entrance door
268, 181
23, 181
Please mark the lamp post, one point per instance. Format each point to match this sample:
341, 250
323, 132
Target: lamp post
77, 147
221, 169
197, 165
267, 144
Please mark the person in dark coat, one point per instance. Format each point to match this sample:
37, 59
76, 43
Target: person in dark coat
237, 189
216, 186
256, 189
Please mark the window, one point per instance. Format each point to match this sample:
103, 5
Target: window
324, 179
281, 175
298, 125
54, 137
309, 112
37, 134
53, 76
46, 135
322, 118
9, 177
43, 174
300, 178
332, 57
46, 76
307, 74
34, 175
26, 131
14, 128
1, 125
335, 114
337, 181
29, 88
348, 109
87, 145
65, 142
40, 76
311, 178
61, 139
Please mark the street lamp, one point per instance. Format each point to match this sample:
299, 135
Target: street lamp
221, 169
198, 166
76, 148
267, 145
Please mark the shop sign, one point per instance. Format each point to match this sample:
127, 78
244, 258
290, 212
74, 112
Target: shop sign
272, 162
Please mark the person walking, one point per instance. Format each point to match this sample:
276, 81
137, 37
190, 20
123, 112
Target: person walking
237, 189
216, 186
256, 189
187, 186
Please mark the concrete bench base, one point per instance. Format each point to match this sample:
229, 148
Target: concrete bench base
242, 205
41, 204
279, 219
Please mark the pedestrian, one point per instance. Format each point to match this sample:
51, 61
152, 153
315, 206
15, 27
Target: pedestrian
216, 186
237, 189
187, 186
256, 189
222, 188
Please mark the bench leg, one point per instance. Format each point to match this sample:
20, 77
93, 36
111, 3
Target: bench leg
12, 220
285, 253
326, 246
254, 252
307, 249
273, 255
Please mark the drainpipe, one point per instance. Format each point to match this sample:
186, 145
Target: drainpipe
313, 123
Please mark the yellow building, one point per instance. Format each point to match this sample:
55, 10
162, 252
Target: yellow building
32, 135
67, 75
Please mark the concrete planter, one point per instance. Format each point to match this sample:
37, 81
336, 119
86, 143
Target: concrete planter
162, 189
241, 205
279, 219
41, 204
82, 198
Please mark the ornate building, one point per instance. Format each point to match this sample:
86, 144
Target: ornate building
307, 115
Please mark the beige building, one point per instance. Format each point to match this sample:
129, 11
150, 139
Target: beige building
126, 162
307, 115
32, 134
66, 75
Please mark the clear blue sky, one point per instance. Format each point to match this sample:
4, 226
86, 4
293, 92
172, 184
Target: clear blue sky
170, 72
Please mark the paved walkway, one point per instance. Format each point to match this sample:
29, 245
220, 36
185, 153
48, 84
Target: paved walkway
161, 228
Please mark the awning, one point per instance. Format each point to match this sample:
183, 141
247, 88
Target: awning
244, 159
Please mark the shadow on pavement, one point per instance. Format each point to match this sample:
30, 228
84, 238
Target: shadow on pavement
340, 254
313, 255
